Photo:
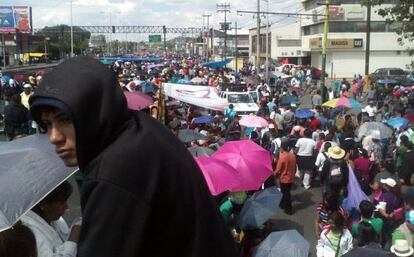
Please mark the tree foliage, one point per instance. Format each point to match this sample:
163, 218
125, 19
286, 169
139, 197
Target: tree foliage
61, 40
401, 15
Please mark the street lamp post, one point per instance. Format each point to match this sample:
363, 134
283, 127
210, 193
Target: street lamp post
71, 29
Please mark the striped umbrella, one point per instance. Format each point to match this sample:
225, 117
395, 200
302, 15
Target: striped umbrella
343, 102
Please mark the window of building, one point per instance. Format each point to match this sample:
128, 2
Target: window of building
351, 27
312, 4
289, 42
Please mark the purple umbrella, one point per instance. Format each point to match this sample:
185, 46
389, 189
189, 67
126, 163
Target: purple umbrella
138, 100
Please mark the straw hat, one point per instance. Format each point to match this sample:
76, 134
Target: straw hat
401, 248
335, 152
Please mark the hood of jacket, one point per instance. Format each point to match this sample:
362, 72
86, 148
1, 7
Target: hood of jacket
92, 95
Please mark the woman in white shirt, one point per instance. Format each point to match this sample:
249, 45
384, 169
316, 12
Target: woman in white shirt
305, 149
53, 237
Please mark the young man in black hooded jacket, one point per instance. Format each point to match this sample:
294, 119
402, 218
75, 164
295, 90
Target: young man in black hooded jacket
143, 195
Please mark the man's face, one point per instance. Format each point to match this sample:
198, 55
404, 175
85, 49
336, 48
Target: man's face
61, 133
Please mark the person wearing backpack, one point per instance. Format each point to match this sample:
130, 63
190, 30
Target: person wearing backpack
334, 175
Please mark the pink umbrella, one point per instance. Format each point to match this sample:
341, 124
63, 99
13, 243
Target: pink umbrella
253, 162
253, 121
138, 100
220, 176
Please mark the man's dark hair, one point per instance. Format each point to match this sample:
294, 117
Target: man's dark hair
308, 133
338, 219
366, 208
404, 139
18, 241
59, 194
367, 234
326, 146
284, 145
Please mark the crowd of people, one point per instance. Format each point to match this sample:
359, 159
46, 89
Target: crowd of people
323, 150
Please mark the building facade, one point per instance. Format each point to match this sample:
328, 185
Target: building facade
347, 38
301, 42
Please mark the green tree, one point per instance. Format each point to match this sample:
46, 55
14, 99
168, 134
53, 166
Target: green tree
401, 15
61, 35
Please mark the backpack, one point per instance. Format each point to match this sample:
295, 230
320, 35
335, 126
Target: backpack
335, 175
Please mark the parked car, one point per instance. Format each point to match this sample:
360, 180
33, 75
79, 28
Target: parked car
287, 66
390, 75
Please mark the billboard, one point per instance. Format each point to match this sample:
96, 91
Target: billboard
337, 43
155, 39
15, 19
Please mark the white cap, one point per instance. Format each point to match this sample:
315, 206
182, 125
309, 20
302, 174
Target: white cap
389, 182
27, 85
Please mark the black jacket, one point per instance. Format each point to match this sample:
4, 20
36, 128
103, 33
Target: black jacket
143, 194
15, 119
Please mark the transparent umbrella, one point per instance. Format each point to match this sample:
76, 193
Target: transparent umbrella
29, 170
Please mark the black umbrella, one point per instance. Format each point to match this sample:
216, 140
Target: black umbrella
189, 135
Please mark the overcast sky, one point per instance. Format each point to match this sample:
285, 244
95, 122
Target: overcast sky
172, 13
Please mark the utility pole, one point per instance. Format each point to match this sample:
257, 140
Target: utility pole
71, 29
237, 50
258, 37
164, 30
368, 45
324, 46
4, 50
207, 15
267, 44
224, 8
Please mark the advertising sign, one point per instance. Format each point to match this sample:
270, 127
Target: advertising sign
7, 19
337, 43
154, 39
15, 18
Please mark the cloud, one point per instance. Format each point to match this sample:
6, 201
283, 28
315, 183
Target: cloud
172, 13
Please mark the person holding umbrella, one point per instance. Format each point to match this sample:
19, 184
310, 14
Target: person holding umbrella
135, 170
53, 237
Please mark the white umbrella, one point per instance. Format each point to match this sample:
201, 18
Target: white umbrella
29, 170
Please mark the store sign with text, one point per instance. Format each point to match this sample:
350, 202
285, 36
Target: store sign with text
337, 43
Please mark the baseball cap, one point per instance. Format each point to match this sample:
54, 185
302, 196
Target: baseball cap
389, 182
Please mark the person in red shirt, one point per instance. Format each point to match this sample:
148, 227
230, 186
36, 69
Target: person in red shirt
314, 124
285, 171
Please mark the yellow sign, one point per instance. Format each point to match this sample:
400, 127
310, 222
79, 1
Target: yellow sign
337, 43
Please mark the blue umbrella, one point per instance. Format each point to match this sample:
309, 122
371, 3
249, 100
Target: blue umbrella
148, 87
184, 81
204, 119
398, 122
260, 208
304, 113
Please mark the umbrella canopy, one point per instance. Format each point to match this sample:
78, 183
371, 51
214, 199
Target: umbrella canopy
204, 119
375, 129
259, 208
184, 81
304, 113
253, 121
253, 162
197, 80
277, 244
343, 102
410, 117
189, 135
199, 151
220, 176
289, 99
398, 122
216, 65
29, 170
138, 100
148, 87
